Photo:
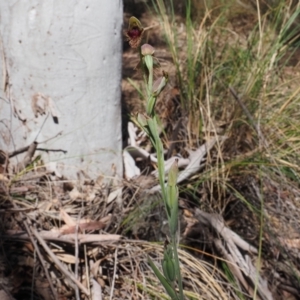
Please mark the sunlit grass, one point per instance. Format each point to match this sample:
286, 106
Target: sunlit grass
215, 57
256, 62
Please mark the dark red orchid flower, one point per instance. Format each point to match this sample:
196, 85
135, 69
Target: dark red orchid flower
135, 32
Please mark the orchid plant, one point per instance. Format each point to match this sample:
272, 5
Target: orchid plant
170, 277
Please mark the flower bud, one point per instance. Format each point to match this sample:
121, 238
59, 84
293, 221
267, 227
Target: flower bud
147, 50
160, 84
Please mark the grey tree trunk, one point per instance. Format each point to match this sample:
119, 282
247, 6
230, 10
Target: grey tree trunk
60, 72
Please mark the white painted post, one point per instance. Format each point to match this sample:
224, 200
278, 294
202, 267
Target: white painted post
61, 61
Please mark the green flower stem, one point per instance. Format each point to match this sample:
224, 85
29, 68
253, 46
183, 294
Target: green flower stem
153, 129
149, 63
177, 267
143, 68
169, 190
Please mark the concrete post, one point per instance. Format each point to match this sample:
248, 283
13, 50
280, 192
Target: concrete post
60, 72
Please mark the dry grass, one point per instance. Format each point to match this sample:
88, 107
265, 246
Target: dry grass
235, 73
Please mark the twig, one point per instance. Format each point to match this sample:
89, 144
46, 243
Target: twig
29, 232
13, 211
59, 264
114, 276
24, 149
27, 159
66, 238
33, 273
77, 254
52, 150
87, 272
18, 151
43, 142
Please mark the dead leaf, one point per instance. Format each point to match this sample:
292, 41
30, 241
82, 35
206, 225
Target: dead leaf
67, 219
83, 226
131, 170
95, 268
113, 195
67, 258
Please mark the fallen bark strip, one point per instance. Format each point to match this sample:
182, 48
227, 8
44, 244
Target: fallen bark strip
217, 223
195, 159
235, 270
64, 238
241, 266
